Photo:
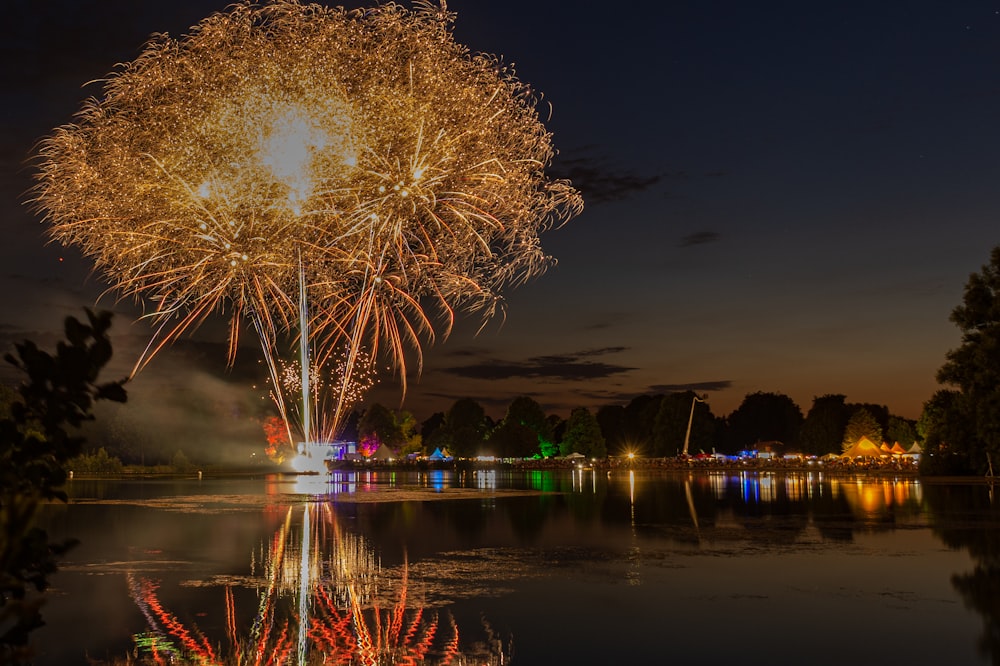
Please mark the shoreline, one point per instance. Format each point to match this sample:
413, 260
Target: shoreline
653, 465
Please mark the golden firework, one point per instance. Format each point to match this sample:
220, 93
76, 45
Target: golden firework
401, 173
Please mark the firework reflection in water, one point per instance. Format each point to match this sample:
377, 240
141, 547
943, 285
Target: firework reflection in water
323, 599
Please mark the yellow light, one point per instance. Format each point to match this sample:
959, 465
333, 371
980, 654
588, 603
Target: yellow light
279, 128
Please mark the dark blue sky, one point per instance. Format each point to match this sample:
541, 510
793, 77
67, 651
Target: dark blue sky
781, 197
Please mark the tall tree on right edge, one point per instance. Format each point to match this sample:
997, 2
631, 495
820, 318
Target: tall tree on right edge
974, 370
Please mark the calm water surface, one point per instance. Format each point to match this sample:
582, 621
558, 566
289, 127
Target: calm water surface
529, 567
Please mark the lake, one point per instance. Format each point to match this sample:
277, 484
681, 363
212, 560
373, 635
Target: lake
527, 567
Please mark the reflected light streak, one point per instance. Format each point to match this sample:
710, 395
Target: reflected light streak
690, 502
336, 588
486, 479
305, 584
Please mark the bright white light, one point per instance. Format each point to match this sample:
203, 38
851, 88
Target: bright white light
303, 463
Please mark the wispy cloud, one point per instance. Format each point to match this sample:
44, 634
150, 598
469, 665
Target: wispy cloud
571, 366
699, 238
599, 180
719, 385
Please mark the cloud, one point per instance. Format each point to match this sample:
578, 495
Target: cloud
699, 238
570, 367
720, 385
599, 181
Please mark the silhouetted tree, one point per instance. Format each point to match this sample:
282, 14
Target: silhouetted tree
526, 412
612, 421
670, 426
974, 370
640, 419
861, 424
37, 437
901, 430
944, 426
379, 424
823, 428
583, 435
467, 425
511, 439
878, 412
765, 417
433, 432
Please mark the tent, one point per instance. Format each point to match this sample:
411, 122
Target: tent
916, 449
437, 455
383, 452
897, 450
863, 448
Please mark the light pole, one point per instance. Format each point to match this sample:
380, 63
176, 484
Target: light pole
687, 435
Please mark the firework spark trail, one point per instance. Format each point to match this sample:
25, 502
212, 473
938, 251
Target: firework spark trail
401, 167
340, 384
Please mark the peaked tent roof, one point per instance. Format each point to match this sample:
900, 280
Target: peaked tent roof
864, 448
897, 448
916, 448
437, 455
383, 452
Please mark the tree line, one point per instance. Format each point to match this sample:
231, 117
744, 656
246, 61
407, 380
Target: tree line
465, 430
648, 425
958, 429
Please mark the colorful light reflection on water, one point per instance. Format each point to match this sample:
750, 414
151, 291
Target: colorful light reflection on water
324, 600
574, 565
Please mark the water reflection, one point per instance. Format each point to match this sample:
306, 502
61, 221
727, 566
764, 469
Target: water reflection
323, 598
543, 553
965, 517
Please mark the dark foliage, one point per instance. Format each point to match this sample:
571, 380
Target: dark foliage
37, 438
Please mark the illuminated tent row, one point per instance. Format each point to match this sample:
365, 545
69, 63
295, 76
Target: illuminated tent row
866, 448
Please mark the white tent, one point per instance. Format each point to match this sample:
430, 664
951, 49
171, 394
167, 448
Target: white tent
383, 452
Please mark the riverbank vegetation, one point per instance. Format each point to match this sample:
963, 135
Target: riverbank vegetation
39, 433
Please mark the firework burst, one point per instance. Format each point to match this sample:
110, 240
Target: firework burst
401, 175
332, 391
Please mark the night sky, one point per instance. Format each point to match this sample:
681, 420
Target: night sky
782, 197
